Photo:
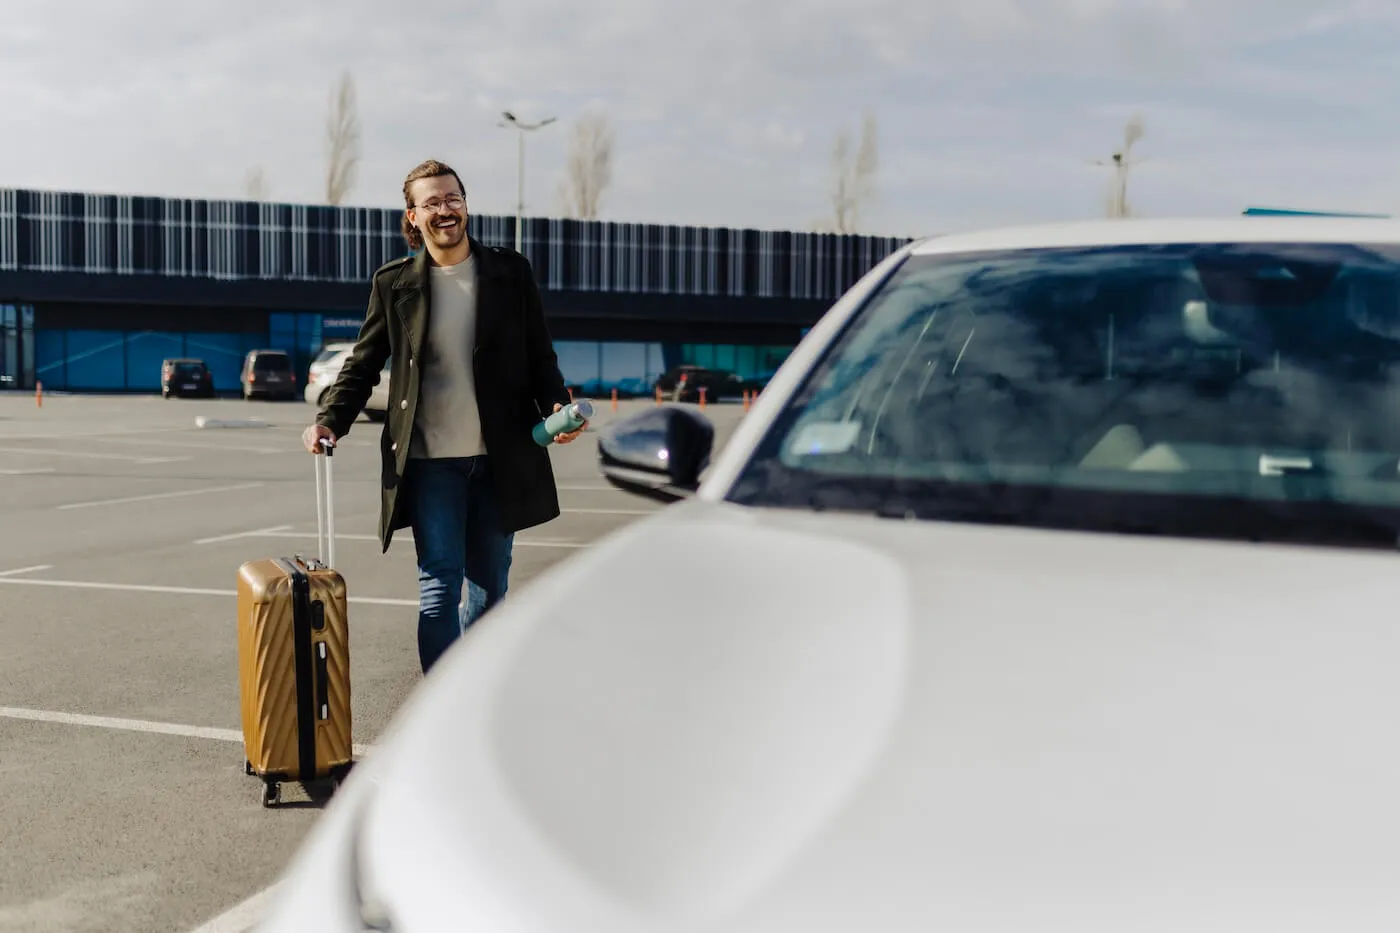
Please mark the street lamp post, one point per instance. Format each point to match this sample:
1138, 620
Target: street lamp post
509, 119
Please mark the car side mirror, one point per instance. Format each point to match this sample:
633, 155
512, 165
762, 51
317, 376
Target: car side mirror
659, 453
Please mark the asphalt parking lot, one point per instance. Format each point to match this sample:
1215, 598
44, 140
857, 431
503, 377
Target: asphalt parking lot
121, 766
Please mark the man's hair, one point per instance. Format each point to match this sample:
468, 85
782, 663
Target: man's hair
432, 168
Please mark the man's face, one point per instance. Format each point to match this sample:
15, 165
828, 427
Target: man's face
439, 211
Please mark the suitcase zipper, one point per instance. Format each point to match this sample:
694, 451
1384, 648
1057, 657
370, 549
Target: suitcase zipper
304, 665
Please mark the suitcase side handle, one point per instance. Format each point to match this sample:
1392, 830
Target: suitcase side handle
325, 508
323, 683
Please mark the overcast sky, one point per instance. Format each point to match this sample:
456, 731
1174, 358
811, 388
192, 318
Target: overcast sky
989, 111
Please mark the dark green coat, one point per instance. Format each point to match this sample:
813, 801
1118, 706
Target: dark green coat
517, 380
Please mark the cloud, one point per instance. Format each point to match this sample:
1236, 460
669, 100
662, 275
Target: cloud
725, 112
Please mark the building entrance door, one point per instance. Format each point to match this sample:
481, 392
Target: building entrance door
16, 347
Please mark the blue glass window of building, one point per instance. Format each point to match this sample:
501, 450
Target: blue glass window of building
596, 368
145, 351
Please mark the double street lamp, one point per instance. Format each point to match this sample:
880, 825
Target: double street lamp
509, 119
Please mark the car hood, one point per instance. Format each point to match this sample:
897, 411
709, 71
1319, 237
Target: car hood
726, 718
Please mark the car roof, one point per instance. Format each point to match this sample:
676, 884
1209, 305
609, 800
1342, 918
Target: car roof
1254, 229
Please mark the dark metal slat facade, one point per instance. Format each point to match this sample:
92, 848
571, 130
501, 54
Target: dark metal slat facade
70, 232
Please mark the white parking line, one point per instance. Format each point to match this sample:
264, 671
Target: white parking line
135, 725
19, 570
176, 590
283, 531
611, 511
142, 441
128, 587
129, 725
157, 495
89, 455
30, 472
256, 533
83, 434
225, 448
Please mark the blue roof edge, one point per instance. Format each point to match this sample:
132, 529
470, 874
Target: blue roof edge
1285, 212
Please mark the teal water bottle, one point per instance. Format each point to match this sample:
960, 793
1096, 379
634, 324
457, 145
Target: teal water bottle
569, 418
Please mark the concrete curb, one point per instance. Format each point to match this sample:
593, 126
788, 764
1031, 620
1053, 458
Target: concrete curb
206, 422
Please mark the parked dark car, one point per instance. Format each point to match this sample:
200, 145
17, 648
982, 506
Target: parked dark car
268, 374
186, 378
683, 383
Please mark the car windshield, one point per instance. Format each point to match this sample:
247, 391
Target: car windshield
189, 369
1235, 390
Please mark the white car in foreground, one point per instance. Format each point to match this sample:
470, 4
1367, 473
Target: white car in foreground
323, 370
1052, 585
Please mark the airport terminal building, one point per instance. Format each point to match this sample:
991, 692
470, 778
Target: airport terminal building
96, 290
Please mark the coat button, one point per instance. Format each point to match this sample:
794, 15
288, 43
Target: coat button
394, 446
403, 405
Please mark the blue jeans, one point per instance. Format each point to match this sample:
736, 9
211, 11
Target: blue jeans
458, 536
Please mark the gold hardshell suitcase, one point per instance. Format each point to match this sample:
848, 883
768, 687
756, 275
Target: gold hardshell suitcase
294, 660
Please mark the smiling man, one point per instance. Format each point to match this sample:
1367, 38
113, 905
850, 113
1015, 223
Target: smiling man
473, 369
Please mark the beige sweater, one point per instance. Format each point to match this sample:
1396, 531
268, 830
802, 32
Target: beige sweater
448, 424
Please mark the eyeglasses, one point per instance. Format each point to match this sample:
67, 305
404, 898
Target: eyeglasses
454, 203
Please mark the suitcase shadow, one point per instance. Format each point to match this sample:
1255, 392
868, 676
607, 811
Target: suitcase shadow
315, 793
316, 797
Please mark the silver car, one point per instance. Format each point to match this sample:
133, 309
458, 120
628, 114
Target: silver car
1048, 586
323, 370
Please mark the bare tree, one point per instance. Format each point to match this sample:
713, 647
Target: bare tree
853, 181
255, 184
588, 171
343, 141
1121, 162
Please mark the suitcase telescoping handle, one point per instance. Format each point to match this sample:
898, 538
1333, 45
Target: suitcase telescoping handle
325, 508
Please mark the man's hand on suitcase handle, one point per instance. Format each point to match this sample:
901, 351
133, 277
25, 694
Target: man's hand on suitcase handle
315, 436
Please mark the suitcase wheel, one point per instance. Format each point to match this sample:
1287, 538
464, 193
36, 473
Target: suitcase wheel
247, 766
271, 791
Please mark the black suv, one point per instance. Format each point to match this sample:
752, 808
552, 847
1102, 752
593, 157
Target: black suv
186, 377
682, 383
